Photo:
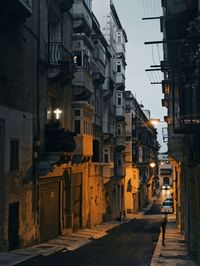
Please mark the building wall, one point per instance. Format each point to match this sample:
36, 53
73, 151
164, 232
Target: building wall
18, 72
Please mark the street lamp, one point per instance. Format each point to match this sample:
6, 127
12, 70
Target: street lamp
157, 121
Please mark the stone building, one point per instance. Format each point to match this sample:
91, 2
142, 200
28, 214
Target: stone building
181, 97
63, 123
141, 151
114, 117
19, 87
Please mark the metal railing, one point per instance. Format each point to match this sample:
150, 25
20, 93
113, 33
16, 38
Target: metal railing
58, 53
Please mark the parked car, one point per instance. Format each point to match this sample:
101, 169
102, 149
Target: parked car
167, 207
169, 199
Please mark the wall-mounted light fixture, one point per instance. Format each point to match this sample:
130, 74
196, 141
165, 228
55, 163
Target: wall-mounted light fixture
152, 164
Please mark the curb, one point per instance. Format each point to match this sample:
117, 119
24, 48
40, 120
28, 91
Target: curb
156, 254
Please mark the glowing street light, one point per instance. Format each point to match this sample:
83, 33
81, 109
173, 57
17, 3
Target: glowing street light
152, 164
155, 121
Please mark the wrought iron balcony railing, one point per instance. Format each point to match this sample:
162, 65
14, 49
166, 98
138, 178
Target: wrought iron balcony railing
58, 53
61, 63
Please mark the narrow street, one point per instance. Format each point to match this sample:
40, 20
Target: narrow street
132, 243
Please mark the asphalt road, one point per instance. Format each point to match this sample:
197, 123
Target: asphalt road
132, 243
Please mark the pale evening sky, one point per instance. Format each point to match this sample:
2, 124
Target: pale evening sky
139, 56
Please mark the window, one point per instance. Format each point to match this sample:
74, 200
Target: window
119, 162
119, 99
119, 130
106, 156
118, 68
119, 37
77, 126
14, 154
77, 112
95, 157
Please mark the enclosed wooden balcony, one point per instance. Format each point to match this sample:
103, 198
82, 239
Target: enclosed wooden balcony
120, 112
82, 17
120, 171
84, 145
82, 84
58, 139
121, 141
120, 80
108, 172
98, 71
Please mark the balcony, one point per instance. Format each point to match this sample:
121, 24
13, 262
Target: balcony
120, 171
120, 140
120, 111
108, 172
21, 9
95, 169
82, 17
82, 84
60, 61
108, 89
98, 71
58, 139
120, 80
120, 48
84, 145
65, 4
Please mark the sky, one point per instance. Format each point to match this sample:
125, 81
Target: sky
140, 56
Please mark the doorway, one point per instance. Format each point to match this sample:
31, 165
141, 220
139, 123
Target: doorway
13, 226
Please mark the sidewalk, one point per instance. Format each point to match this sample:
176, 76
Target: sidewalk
68, 242
174, 253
